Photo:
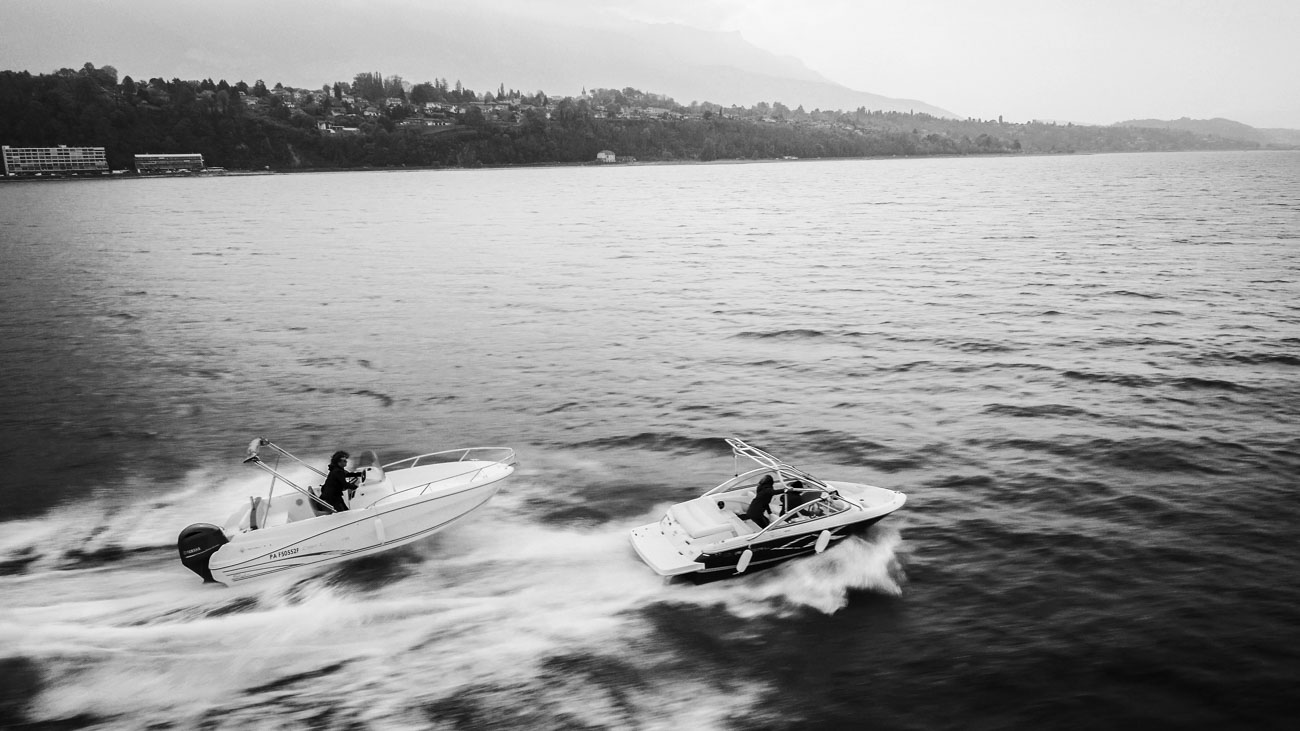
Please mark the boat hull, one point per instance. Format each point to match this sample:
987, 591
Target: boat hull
724, 564
706, 538
330, 539
658, 551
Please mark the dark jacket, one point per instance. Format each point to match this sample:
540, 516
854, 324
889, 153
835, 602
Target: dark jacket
758, 506
335, 483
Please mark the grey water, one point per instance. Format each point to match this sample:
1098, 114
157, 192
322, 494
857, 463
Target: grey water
1082, 370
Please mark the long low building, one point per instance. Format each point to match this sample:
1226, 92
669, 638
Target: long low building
61, 160
177, 163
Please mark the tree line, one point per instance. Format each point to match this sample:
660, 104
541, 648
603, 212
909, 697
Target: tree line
241, 126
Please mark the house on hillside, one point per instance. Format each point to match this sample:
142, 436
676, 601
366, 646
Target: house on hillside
334, 129
417, 123
606, 156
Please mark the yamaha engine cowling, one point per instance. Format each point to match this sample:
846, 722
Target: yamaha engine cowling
196, 544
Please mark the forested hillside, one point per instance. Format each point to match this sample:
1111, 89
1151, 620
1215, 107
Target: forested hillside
374, 121
1225, 128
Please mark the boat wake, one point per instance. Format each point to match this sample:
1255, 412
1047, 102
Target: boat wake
823, 582
503, 621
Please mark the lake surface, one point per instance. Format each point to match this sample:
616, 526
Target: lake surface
1083, 372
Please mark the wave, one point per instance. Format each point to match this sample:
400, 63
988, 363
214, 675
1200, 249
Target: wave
962, 481
1137, 508
766, 363
1119, 379
1129, 293
383, 398
949, 367
1148, 454
1136, 342
1266, 359
972, 346
657, 442
18, 561
1209, 384
1184, 383
1017, 366
1078, 542
329, 362
1034, 412
901, 367
562, 407
854, 450
796, 334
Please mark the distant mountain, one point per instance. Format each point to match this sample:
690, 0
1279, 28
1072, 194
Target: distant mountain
308, 43
1283, 137
1225, 128
695, 65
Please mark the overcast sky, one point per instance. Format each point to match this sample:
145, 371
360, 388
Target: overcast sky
1088, 61
1081, 60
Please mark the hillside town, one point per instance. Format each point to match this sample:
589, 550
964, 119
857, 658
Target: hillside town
88, 121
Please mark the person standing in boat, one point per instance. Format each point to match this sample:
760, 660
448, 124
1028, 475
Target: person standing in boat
337, 481
758, 507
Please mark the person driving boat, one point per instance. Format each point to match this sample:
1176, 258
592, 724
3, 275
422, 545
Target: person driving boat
337, 481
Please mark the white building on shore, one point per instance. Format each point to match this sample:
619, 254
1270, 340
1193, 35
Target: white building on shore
61, 160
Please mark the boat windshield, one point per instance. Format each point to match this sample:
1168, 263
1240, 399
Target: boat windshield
818, 506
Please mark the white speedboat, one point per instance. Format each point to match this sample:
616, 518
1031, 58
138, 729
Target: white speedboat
392, 505
724, 532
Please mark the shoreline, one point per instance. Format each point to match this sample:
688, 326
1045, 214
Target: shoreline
127, 175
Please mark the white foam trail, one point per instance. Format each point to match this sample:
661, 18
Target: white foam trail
478, 614
99, 522
821, 582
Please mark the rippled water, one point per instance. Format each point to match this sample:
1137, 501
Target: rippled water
1081, 370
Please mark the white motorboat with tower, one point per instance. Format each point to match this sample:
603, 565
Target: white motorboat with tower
723, 532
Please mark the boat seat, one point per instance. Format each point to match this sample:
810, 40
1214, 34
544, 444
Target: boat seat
744, 526
700, 518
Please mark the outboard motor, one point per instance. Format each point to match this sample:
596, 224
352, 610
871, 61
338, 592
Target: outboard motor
196, 544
